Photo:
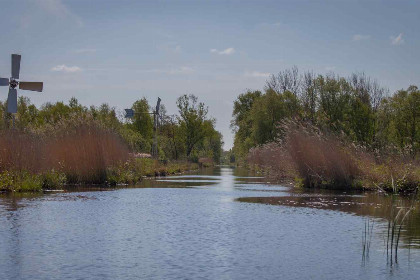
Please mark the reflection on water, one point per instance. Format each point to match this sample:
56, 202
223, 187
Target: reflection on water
219, 223
368, 204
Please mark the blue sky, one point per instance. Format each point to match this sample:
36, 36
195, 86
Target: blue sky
118, 51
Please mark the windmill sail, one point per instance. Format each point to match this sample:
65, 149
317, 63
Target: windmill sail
34, 86
15, 66
4, 81
12, 101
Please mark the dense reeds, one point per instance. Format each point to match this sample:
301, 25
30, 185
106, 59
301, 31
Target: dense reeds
73, 152
82, 152
314, 158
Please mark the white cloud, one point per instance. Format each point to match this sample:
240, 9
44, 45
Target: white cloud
227, 51
360, 37
85, 51
397, 40
257, 74
174, 71
66, 69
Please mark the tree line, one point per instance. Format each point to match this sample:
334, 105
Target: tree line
357, 106
189, 135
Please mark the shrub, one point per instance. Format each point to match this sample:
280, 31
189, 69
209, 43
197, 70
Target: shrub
20, 181
318, 159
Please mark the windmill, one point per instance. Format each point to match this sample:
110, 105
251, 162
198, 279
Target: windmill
156, 123
129, 114
13, 83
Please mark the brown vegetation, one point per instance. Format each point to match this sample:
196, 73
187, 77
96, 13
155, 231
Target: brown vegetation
83, 151
317, 159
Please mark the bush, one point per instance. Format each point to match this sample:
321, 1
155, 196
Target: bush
316, 159
20, 181
52, 180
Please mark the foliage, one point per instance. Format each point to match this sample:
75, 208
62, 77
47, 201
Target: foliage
356, 110
357, 106
317, 159
193, 121
61, 143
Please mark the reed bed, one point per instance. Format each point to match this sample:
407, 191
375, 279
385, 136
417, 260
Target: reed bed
315, 158
82, 152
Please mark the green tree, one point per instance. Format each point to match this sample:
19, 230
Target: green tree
193, 115
143, 121
242, 121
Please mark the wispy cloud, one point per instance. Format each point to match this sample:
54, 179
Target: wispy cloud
257, 74
174, 71
227, 51
330, 68
66, 69
58, 9
360, 37
170, 47
79, 51
397, 40
181, 70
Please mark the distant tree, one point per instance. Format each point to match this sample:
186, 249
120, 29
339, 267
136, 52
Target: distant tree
143, 121
287, 80
193, 115
242, 121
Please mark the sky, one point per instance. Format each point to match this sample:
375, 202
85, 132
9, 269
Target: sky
116, 52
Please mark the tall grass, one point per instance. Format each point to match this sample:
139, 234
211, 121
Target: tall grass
21, 151
316, 158
395, 224
367, 238
82, 150
85, 152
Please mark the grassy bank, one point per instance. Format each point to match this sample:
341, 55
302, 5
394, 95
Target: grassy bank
135, 169
73, 153
315, 159
130, 172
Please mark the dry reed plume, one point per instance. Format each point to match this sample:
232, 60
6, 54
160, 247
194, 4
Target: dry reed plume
83, 151
319, 159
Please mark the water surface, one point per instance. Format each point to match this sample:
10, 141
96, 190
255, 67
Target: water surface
219, 224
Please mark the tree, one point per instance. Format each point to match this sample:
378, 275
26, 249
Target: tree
142, 122
242, 122
193, 115
287, 80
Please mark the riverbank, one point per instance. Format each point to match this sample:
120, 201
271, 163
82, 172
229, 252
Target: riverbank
313, 159
130, 172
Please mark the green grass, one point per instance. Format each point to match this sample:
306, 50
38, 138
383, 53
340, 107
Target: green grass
130, 172
24, 181
134, 170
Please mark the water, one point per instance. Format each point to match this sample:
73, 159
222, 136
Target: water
219, 224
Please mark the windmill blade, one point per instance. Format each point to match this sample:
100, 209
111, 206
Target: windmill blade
12, 101
158, 106
15, 66
4, 81
34, 86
